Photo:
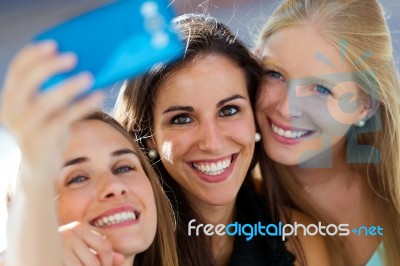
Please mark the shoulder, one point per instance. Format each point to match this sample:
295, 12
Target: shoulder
314, 248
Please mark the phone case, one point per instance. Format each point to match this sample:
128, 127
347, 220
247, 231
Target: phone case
117, 41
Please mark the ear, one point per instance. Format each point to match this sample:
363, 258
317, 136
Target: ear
369, 108
150, 143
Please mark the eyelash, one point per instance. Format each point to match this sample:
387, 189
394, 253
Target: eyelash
81, 178
175, 119
229, 107
327, 91
271, 73
76, 179
126, 167
180, 116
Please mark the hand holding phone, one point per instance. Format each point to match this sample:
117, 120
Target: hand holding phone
117, 41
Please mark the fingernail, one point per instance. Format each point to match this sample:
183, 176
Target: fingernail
68, 58
85, 79
47, 46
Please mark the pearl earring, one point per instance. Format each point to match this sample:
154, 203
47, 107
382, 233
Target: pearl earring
257, 137
361, 123
152, 154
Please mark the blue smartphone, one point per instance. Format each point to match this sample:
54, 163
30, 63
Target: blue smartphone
116, 41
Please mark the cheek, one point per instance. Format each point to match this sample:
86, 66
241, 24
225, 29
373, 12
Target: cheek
144, 190
71, 207
341, 116
268, 96
174, 145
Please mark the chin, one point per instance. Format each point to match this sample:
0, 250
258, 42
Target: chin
283, 158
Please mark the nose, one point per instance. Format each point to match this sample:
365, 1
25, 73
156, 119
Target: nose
289, 104
111, 187
211, 137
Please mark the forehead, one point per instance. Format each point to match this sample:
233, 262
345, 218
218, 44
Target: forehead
303, 52
95, 135
204, 76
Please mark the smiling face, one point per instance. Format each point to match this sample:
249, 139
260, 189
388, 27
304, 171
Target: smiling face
308, 100
103, 185
204, 129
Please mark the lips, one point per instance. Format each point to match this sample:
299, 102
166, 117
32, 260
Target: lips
290, 134
116, 216
215, 170
287, 134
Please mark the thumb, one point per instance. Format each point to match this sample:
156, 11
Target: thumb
117, 259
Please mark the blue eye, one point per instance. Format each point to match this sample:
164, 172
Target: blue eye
122, 169
181, 119
228, 111
322, 89
76, 180
274, 74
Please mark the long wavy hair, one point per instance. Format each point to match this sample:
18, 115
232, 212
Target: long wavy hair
202, 35
361, 24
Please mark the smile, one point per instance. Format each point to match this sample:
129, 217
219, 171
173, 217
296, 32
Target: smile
213, 168
290, 134
116, 218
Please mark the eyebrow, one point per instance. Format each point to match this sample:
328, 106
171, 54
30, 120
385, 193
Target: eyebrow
231, 98
191, 109
178, 108
265, 60
116, 153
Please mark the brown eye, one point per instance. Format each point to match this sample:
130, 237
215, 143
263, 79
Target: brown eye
181, 119
229, 111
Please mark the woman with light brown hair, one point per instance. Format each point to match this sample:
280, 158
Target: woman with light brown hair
79, 169
329, 117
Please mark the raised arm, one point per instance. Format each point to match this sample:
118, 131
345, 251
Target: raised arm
39, 123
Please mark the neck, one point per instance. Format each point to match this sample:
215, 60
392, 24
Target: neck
222, 246
128, 261
336, 169
338, 187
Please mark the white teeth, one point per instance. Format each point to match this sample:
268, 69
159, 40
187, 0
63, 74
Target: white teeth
290, 134
115, 218
213, 168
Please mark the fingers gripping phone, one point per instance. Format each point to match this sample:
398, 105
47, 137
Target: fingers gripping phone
116, 41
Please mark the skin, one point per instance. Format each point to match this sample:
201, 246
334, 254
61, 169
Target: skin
318, 161
203, 130
207, 131
102, 183
310, 97
41, 125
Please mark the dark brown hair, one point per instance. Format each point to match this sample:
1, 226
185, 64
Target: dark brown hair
202, 35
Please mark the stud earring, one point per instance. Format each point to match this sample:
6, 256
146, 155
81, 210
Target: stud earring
257, 137
361, 123
152, 154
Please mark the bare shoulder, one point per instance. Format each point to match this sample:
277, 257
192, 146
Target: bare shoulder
314, 247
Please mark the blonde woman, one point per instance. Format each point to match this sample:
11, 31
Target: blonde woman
329, 116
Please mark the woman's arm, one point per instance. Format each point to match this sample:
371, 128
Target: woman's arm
39, 123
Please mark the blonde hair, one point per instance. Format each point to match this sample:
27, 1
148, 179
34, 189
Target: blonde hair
358, 26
